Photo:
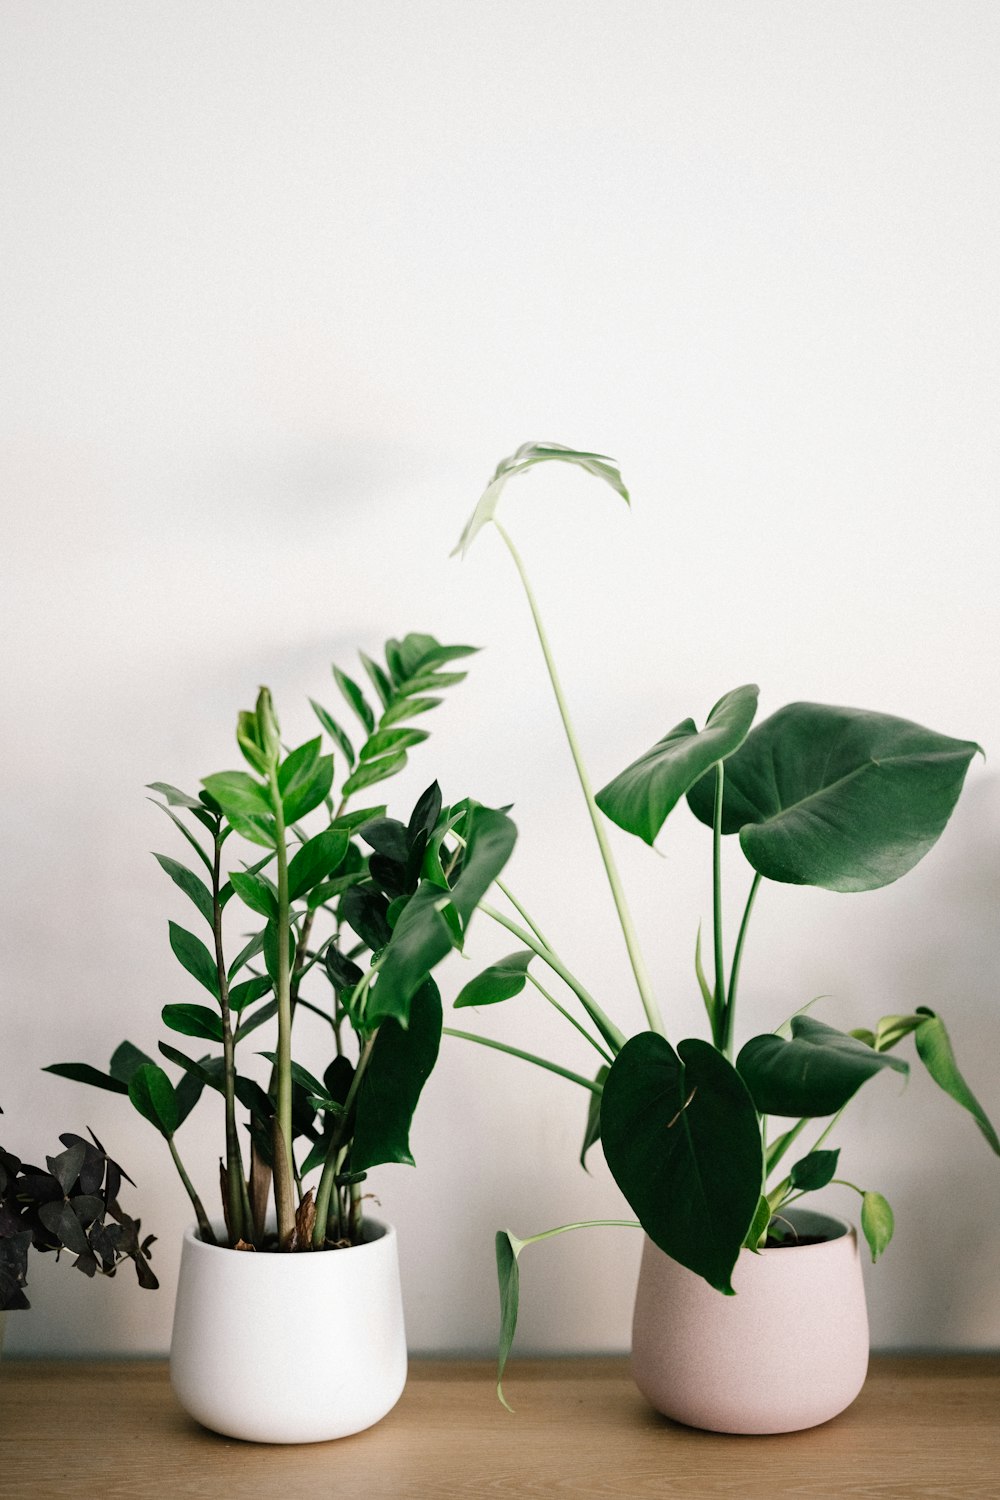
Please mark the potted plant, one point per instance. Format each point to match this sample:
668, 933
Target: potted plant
71, 1204
367, 905
843, 799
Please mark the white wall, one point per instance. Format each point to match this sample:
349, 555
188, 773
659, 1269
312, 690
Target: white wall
281, 284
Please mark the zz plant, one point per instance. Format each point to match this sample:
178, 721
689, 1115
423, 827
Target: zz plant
367, 904
840, 798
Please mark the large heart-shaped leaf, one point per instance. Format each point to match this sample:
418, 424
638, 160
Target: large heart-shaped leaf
681, 1137
401, 1063
813, 1074
837, 797
646, 792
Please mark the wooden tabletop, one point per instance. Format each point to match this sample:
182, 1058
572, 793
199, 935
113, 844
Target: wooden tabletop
921, 1427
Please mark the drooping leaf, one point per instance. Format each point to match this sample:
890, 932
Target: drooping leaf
420, 939
592, 1131
682, 1140
813, 1074
387, 1097
152, 1093
316, 859
501, 981
877, 1222
646, 792
193, 1020
814, 1171
192, 954
525, 458
186, 880
186, 832
935, 1052
840, 798
508, 1248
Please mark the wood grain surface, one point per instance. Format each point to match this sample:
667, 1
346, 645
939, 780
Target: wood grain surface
922, 1427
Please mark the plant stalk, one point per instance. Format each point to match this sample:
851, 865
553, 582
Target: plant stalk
719, 1007
237, 1203
204, 1227
541, 1062
734, 975
286, 1224
328, 1176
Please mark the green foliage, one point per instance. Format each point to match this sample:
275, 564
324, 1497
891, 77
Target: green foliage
814, 1074
877, 1222
401, 1063
501, 981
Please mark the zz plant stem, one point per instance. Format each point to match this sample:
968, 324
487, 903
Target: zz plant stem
286, 1226
240, 1224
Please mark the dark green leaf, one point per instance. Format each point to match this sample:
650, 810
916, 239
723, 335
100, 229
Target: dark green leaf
298, 768
84, 1073
259, 1018
125, 1059
814, 1171
681, 1137
490, 838
813, 1074
301, 1075
592, 1132
356, 820
641, 798
877, 1222
400, 1065
389, 837
193, 1020
364, 910
420, 939
190, 884
242, 995
315, 860
152, 1093
356, 698
935, 1052
187, 834
838, 797
65, 1167
330, 889
373, 771
253, 947
255, 891
195, 957
436, 656
425, 814
501, 981
334, 730
187, 1093
431, 682
508, 1247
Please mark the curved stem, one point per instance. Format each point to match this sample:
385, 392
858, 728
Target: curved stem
737, 964
547, 1234
719, 1007
639, 969
571, 1019
204, 1227
522, 913
541, 1062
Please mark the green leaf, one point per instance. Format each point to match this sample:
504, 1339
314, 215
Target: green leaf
302, 799
211, 1072
890, 1030
356, 698
490, 838
374, 770
508, 1248
152, 1093
248, 739
814, 1171
238, 793
195, 957
682, 1140
378, 679
334, 730
877, 1222
259, 1018
935, 1052
707, 993
646, 792
431, 682
758, 1226
501, 981
401, 1063
296, 770
837, 797
256, 830
175, 797
407, 708
420, 939
336, 887
253, 947
188, 835
255, 891
436, 656
187, 881
356, 820
384, 741
315, 860
125, 1059
193, 1020
813, 1074
525, 458
301, 1075
84, 1073
592, 1132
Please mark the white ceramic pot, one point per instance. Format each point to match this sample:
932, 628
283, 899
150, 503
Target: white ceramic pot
289, 1348
790, 1350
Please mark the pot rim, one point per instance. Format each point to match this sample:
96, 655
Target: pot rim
385, 1233
843, 1227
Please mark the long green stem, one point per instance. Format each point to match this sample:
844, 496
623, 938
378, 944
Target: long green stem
328, 1176
734, 975
571, 1019
522, 913
283, 996
639, 969
204, 1227
240, 1223
541, 1062
783, 1144
548, 1234
614, 1038
719, 1007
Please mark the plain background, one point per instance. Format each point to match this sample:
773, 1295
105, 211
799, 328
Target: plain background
281, 284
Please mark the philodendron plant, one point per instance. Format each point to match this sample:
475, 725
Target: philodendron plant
394, 897
844, 799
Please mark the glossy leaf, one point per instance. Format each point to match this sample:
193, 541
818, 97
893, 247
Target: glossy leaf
255, 891
372, 771
813, 1074
186, 880
426, 813
378, 679
877, 1222
249, 951
316, 859
191, 952
364, 910
525, 458
84, 1073
246, 993
302, 798
490, 838
239, 793
814, 1171
838, 797
501, 981
355, 698
420, 939
388, 836
935, 1052
401, 1063
641, 798
193, 1020
334, 730
298, 767
152, 1093
682, 1140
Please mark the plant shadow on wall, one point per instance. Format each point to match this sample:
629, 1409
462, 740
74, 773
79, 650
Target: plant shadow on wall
844, 799
345, 921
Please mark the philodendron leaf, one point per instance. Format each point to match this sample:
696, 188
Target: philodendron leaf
877, 1222
592, 1131
814, 1171
813, 1074
837, 797
646, 792
501, 981
934, 1050
152, 1093
526, 457
683, 1143
390, 1088
508, 1248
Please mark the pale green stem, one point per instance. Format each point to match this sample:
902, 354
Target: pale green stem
607, 1028
642, 979
734, 975
204, 1227
720, 972
571, 1019
283, 996
541, 1062
828, 1128
547, 1234
521, 912
785, 1142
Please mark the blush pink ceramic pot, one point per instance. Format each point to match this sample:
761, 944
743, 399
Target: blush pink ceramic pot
790, 1350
